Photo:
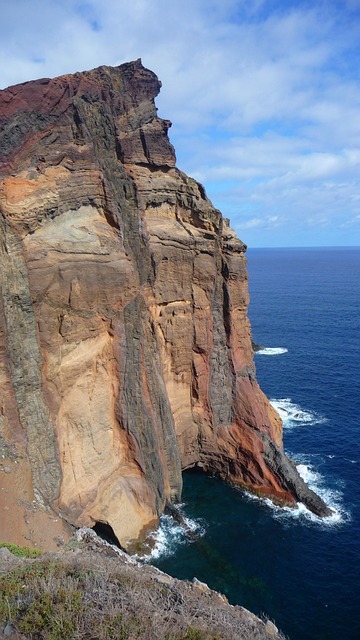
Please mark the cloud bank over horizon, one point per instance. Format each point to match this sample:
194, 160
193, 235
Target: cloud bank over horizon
264, 97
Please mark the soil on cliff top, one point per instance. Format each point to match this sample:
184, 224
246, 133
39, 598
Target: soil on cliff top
22, 520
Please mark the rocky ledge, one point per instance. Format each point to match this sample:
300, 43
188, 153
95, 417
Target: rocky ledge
125, 347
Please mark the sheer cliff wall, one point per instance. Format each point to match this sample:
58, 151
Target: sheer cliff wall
125, 348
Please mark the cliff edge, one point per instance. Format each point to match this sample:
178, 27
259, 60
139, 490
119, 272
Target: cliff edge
91, 590
125, 348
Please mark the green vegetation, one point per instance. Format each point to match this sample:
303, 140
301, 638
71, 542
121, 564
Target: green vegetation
52, 600
197, 634
83, 595
21, 552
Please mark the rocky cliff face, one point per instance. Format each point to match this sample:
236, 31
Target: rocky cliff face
125, 348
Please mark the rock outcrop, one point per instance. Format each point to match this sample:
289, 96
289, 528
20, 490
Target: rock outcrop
125, 348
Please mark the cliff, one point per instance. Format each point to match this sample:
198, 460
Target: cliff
125, 348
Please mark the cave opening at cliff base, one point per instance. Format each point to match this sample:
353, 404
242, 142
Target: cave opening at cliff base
106, 532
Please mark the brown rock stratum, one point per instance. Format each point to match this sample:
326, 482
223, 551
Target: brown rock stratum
125, 348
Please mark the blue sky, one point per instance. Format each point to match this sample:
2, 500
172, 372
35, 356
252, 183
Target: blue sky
264, 97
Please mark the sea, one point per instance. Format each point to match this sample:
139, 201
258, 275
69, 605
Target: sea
288, 565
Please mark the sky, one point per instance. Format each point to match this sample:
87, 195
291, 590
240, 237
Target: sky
264, 97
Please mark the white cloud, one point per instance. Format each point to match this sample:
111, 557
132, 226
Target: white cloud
264, 96
254, 222
266, 222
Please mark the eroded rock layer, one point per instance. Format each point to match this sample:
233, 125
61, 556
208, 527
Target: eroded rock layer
125, 348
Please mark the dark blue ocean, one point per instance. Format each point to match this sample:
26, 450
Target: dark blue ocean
302, 572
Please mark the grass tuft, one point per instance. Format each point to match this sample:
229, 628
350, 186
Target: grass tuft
21, 552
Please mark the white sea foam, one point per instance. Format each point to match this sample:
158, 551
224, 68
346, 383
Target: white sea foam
170, 533
271, 351
292, 414
332, 497
311, 477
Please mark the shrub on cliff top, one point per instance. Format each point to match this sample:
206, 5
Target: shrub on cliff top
21, 552
93, 597
51, 600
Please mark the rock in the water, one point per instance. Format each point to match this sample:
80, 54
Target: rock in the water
285, 469
125, 347
256, 346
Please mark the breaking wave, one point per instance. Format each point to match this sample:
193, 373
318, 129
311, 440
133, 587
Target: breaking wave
292, 414
333, 497
171, 533
271, 351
